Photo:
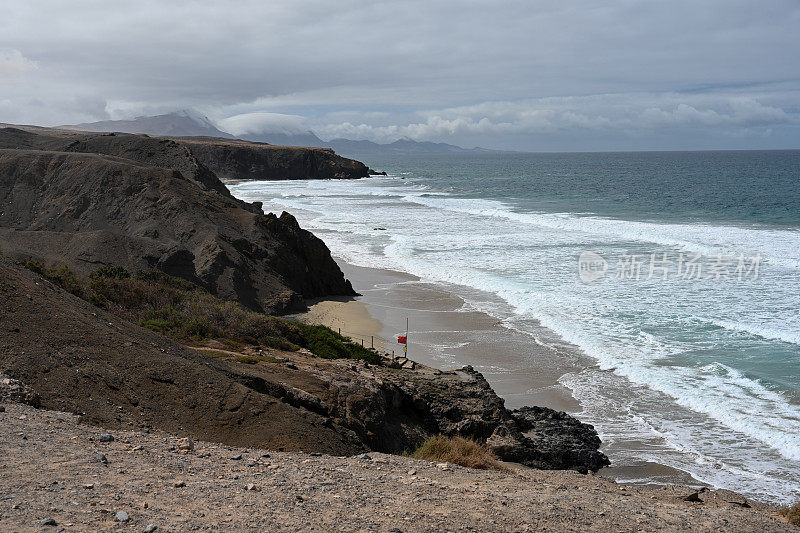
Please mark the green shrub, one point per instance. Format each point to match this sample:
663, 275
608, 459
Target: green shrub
185, 312
33, 265
110, 271
162, 278
248, 359
61, 275
231, 344
324, 342
278, 343
459, 451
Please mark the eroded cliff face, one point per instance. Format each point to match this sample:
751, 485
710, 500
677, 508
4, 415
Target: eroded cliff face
243, 160
141, 203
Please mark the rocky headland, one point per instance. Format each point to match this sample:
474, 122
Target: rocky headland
245, 160
140, 202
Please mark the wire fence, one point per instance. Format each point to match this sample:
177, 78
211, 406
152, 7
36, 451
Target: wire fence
370, 341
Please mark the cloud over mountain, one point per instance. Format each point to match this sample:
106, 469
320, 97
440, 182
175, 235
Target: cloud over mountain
518, 75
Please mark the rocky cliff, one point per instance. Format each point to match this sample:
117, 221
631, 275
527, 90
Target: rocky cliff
143, 202
244, 160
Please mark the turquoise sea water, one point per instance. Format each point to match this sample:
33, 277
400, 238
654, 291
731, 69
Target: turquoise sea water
693, 318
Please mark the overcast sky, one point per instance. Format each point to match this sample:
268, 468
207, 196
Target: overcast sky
529, 75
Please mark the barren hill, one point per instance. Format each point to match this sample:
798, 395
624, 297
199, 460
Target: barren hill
143, 202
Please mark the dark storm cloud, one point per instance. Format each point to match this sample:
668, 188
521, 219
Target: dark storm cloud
502, 74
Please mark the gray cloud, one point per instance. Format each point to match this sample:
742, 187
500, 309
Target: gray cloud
478, 72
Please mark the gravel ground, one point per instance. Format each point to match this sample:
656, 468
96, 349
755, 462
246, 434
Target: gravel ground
55, 471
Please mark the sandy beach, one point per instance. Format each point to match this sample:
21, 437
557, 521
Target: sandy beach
445, 334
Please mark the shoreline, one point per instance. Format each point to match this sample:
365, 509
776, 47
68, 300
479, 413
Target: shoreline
444, 334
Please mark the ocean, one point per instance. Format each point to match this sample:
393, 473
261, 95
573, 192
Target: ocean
676, 273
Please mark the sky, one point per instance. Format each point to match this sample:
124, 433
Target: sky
519, 75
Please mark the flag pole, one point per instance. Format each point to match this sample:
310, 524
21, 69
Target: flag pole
406, 350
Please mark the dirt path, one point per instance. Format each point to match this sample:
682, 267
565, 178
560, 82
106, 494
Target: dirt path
49, 469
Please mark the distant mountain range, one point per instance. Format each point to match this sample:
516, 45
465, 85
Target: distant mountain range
185, 123
400, 146
189, 123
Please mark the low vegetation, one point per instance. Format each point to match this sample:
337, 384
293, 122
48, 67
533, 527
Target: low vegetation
459, 451
187, 313
792, 514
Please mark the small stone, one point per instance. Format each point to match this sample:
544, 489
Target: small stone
22, 417
443, 466
88, 486
250, 486
101, 458
186, 445
121, 516
2, 409
693, 497
740, 503
364, 456
106, 437
150, 528
179, 484
236, 458
412, 472
48, 522
315, 454
15, 506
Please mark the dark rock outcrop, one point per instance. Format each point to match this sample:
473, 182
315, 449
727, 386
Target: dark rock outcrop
555, 438
244, 160
142, 203
395, 412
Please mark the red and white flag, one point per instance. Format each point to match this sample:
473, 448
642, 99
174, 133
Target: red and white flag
401, 339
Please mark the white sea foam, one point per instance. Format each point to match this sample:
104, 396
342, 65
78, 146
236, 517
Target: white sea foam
520, 267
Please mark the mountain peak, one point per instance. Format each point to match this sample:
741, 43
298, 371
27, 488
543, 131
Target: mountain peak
194, 115
182, 123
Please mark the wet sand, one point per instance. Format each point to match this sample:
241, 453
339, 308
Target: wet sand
444, 334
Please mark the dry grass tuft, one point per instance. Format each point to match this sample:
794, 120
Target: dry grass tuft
459, 451
791, 514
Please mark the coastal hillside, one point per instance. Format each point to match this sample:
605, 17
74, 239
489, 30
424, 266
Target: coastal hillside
142, 203
78, 358
248, 379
